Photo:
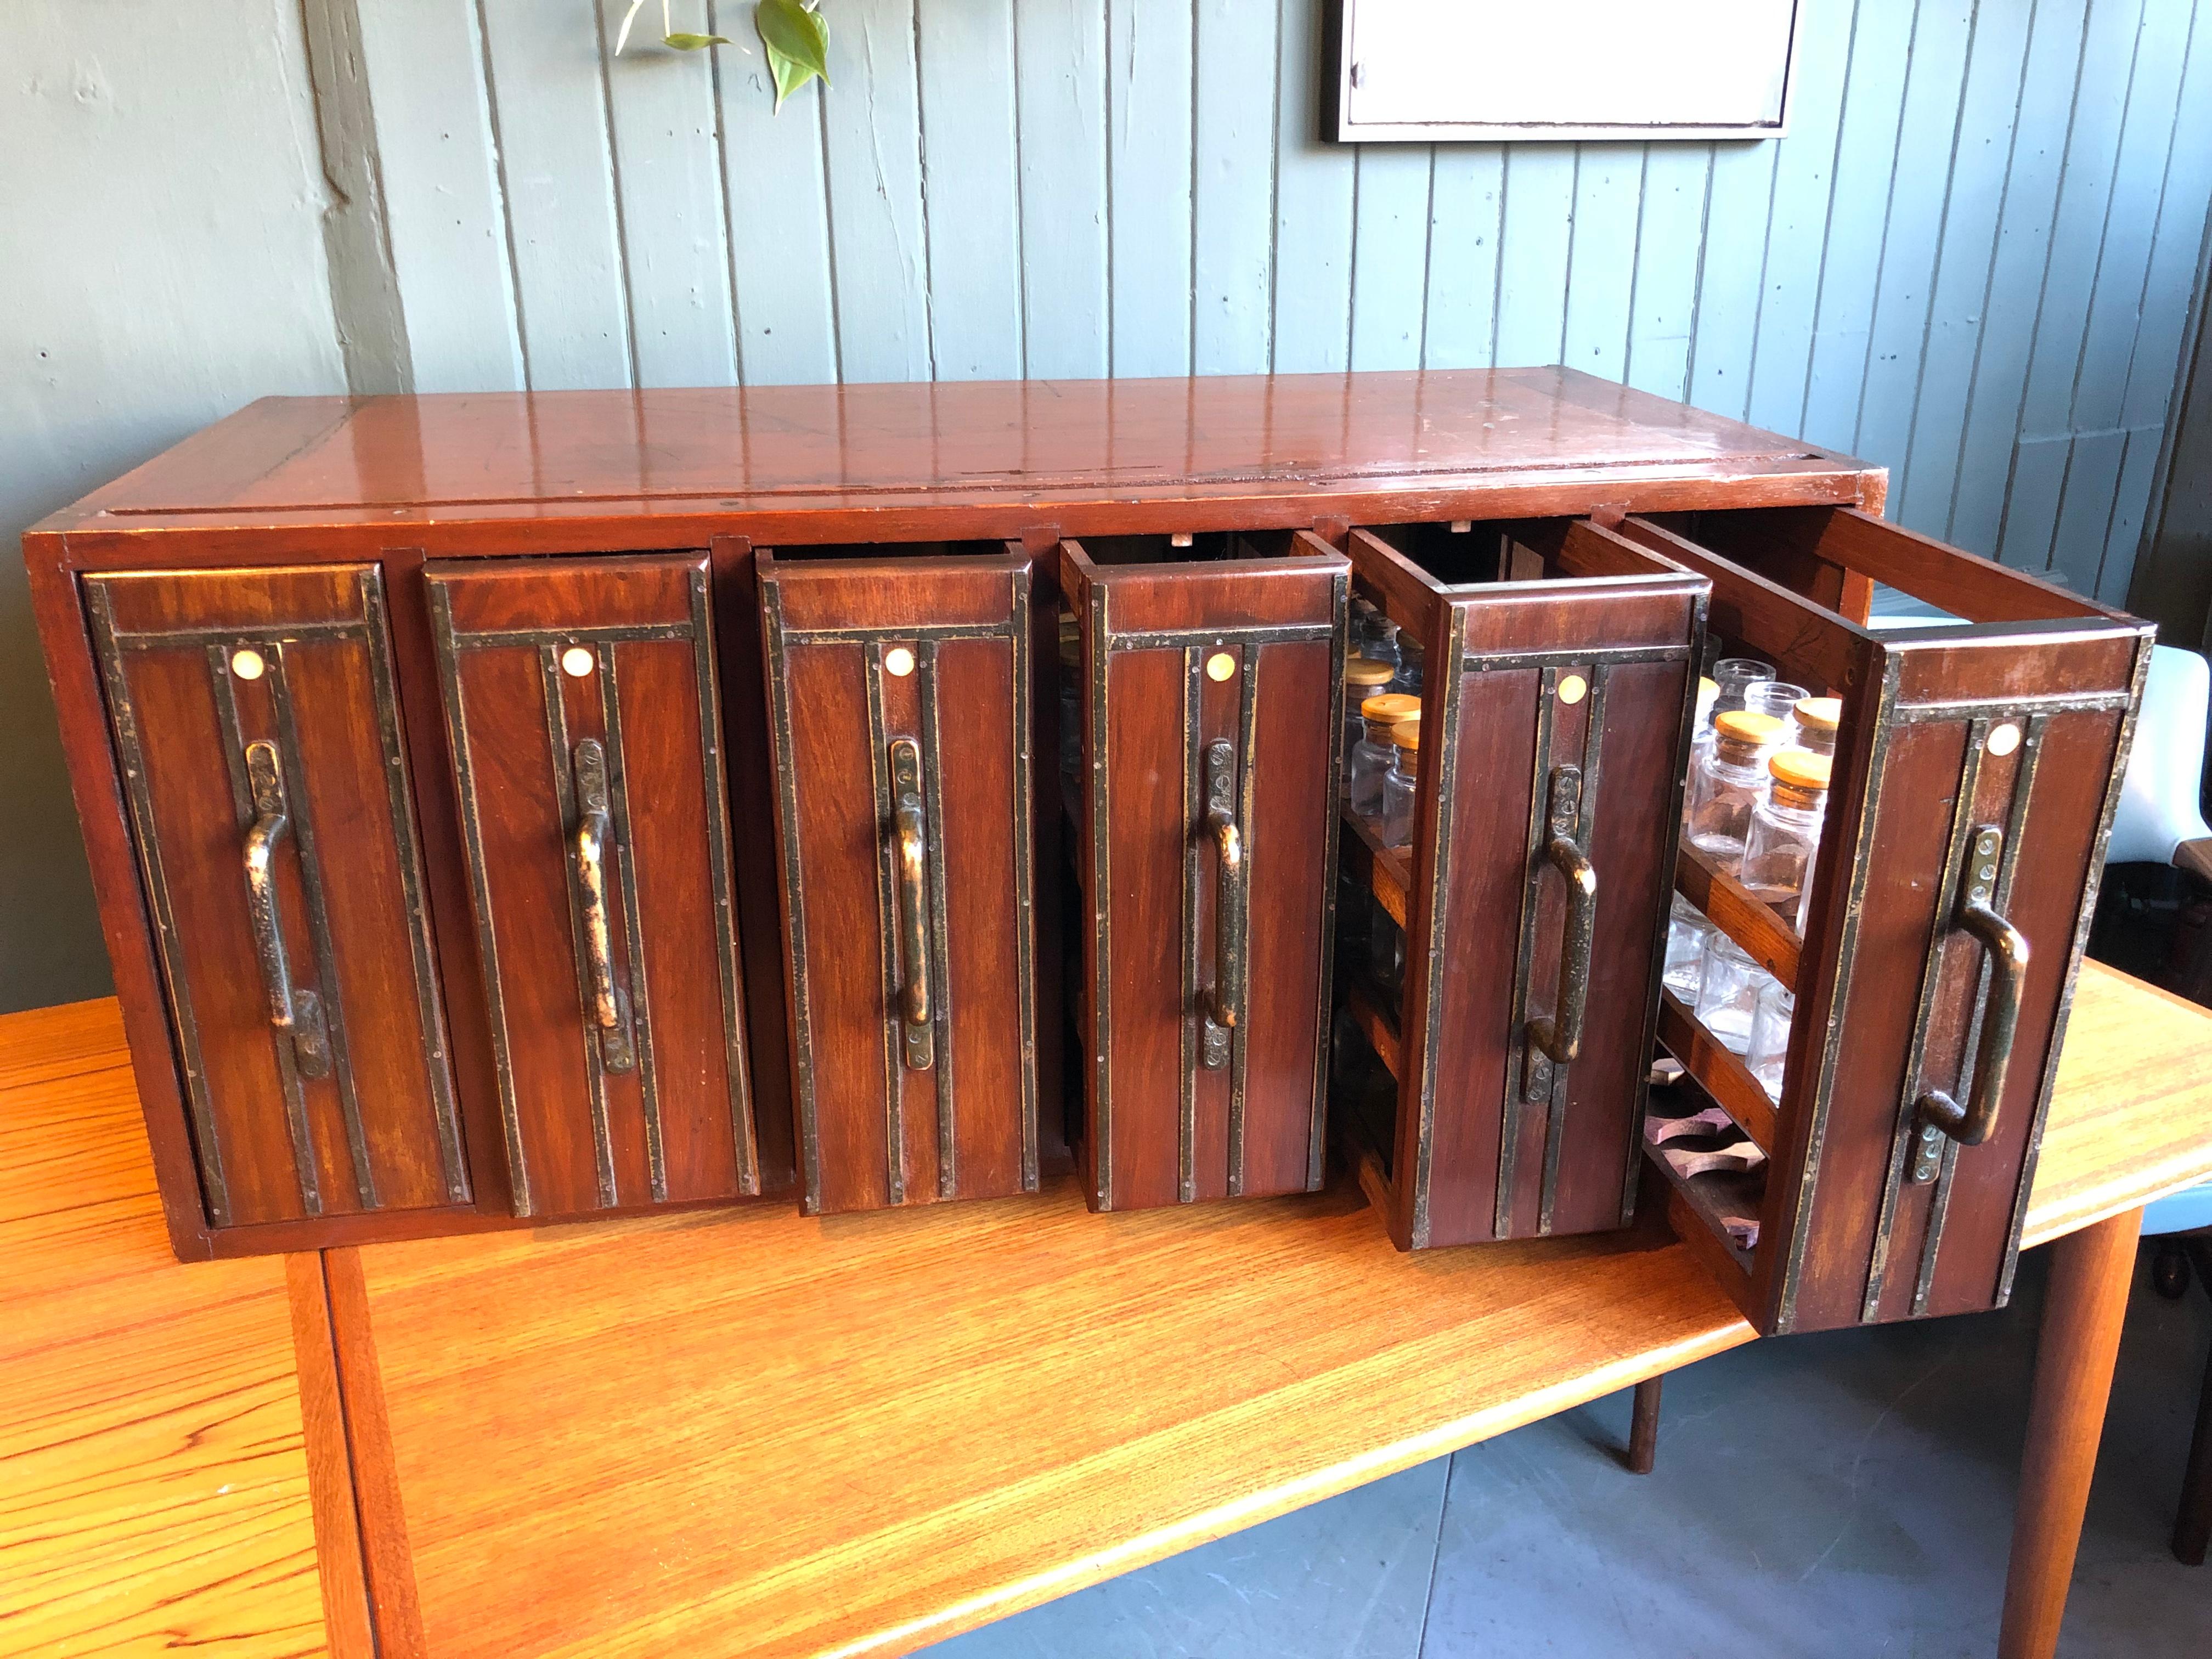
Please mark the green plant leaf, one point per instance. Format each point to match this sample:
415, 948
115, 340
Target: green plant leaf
787, 28
694, 42
789, 77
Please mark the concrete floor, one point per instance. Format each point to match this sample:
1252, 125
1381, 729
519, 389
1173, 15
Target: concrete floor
1845, 1495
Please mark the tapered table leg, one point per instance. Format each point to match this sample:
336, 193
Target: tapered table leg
1643, 1427
2090, 1274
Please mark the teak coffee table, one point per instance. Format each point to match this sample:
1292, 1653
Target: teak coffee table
745, 1431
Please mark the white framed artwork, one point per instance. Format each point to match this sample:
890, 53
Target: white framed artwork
1556, 70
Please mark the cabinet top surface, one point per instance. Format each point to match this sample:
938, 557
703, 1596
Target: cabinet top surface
1333, 438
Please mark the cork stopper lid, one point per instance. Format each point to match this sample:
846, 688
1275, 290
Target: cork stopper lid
1391, 707
1800, 769
1362, 671
1819, 713
1743, 726
1406, 736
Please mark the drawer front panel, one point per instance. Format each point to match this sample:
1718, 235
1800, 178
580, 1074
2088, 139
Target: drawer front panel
255, 715
1557, 767
1210, 731
583, 709
903, 715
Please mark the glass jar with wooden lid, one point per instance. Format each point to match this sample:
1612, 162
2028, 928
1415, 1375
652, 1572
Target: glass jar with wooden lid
1784, 833
1813, 724
1399, 783
1370, 757
1363, 678
1727, 782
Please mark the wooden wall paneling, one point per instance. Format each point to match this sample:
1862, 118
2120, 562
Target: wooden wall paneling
619, 1036
1149, 88
2005, 346
2159, 367
549, 116
2109, 58
665, 160
879, 215
444, 194
1234, 670
1806, 166
1732, 273
1536, 242
1390, 254
1459, 316
257, 710
1602, 266
965, 55
1059, 105
1314, 187
1937, 95
905, 1094
777, 216
1677, 178
1233, 186
1925, 469
1818, 360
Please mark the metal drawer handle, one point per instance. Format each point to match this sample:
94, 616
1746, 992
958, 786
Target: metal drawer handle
911, 829
609, 1008
296, 1015
1560, 1040
1225, 1001
1973, 1123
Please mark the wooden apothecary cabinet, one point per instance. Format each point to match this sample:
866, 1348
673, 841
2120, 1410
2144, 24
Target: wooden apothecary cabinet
513, 807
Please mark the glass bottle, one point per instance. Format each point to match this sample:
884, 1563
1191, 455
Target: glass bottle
1362, 679
1813, 724
1370, 758
1725, 782
1399, 783
1775, 697
1687, 930
1729, 677
1377, 637
1409, 667
1769, 1050
1784, 832
1727, 992
1386, 955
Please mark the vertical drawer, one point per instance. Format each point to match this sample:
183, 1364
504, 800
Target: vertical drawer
905, 736
585, 729
1206, 814
1977, 768
1533, 894
258, 730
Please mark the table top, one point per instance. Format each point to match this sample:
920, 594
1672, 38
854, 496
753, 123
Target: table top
745, 1429
997, 455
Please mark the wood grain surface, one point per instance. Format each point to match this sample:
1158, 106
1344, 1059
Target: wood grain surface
153, 1481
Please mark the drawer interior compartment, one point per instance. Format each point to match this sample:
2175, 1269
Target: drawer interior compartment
1201, 708
1976, 765
1503, 924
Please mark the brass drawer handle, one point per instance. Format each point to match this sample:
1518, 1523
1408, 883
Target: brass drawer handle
295, 1014
1974, 1122
911, 830
1224, 1001
609, 1011
1561, 1039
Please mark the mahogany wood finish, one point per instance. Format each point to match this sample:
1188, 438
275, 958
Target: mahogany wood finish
904, 730
2014, 719
1553, 710
255, 717
1209, 716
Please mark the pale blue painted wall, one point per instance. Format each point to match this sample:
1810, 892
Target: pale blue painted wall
1972, 259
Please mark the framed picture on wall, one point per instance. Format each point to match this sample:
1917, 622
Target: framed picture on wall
1554, 70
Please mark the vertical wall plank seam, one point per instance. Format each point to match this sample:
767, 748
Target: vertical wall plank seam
1766, 242
1997, 244
2142, 297
1497, 247
1698, 277
1574, 218
2043, 285
1106, 104
1021, 195
1428, 248
1352, 265
1190, 267
614, 191
2190, 362
921, 164
1828, 223
1635, 268
2089, 315
829, 243
722, 197
1943, 240
1935, 263
490, 81
1275, 190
